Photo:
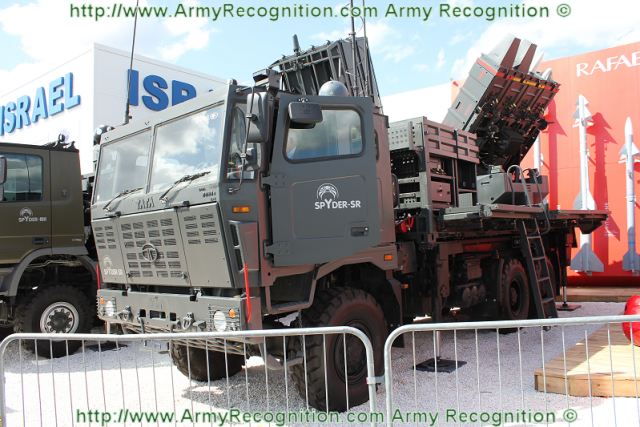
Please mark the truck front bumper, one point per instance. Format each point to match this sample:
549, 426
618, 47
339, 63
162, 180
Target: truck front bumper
154, 312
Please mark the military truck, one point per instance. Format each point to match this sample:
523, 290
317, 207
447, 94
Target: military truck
293, 203
47, 275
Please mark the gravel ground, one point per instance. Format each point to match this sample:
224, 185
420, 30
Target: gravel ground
97, 380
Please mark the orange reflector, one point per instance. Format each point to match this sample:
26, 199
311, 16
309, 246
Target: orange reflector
388, 257
241, 209
101, 301
405, 286
232, 313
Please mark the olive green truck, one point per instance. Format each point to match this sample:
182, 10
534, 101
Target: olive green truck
293, 202
47, 274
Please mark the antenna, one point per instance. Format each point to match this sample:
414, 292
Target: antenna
133, 45
367, 75
354, 46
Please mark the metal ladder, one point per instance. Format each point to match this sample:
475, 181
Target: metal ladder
532, 248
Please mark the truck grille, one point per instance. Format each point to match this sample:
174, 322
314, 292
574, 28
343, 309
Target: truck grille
105, 237
159, 248
146, 239
200, 229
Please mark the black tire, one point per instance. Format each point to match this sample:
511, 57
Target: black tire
54, 309
183, 356
516, 294
340, 307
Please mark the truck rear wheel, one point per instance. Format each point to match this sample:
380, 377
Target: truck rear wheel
340, 307
55, 309
516, 294
184, 356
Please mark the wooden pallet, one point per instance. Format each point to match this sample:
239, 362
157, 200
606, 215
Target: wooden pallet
622, 382
599, 293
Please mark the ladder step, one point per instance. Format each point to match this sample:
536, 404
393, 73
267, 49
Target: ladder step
539, 258
548, 300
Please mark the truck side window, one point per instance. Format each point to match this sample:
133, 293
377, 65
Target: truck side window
24, 178
339, 134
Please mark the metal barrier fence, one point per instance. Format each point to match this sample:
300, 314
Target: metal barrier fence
130, 379
530, 372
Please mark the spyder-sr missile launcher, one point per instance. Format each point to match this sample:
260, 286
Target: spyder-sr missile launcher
503, 102
473, 157
292, 203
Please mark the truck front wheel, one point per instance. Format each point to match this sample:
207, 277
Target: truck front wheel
192, 362
325, 382
55, 309
515, 291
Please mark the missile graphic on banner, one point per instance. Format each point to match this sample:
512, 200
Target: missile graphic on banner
585, 260
537, 153
583, 119
629, 154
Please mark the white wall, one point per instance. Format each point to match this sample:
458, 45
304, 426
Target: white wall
110, 76
100, 79
75, 122
432, 102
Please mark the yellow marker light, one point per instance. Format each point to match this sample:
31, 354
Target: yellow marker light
240, 209
232, 313
388, 257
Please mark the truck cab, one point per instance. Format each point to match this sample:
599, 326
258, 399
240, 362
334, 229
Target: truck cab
47, 276
230, 209
181, 202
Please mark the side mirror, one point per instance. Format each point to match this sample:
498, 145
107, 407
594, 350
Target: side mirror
252, 156
260, 121
3, 169
304, 115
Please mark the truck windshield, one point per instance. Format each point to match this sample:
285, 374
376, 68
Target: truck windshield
188, 146
123, 165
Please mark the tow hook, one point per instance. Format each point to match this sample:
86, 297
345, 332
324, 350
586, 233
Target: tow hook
187, 321
141, 321
200, 324
125, 314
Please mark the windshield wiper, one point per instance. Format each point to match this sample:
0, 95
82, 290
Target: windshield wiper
117, 196
186, 178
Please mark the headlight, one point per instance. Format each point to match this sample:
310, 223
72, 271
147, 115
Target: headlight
219, 321
109, 308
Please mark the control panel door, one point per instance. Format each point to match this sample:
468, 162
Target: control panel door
25, 207
322, 180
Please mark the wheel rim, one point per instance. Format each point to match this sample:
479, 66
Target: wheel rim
59, 317
356, 355
515, 296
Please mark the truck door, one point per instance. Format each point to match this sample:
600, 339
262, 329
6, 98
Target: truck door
25, 207
322, 182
